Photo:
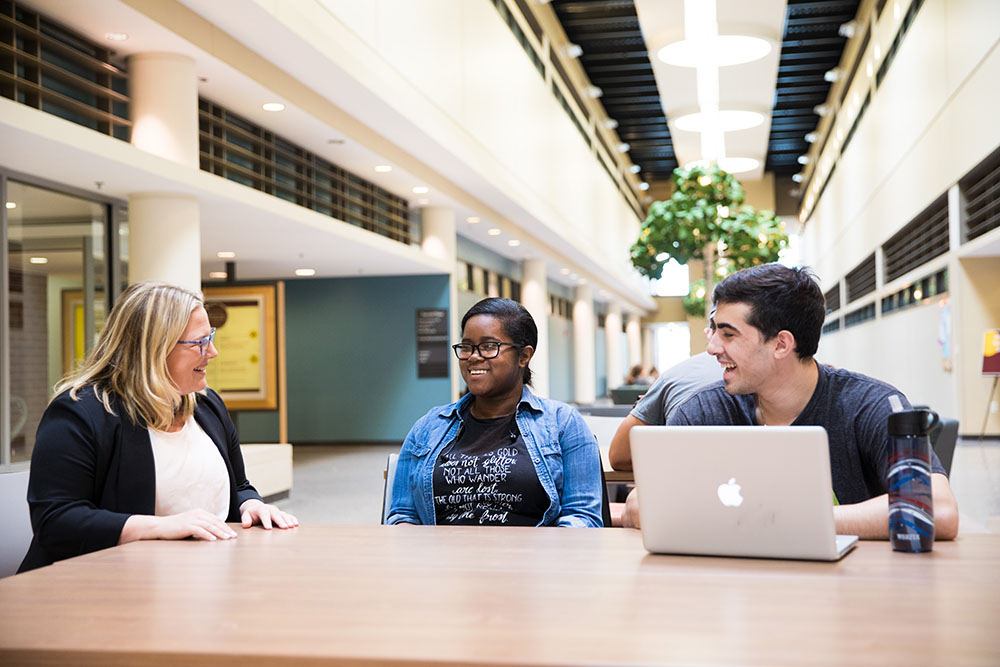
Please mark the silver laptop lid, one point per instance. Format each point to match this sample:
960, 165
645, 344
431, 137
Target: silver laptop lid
760, 491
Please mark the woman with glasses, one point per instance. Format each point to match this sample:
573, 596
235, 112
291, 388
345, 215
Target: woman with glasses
134, 446
500, 456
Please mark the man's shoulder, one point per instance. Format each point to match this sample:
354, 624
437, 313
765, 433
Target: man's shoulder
712, 405
847, 385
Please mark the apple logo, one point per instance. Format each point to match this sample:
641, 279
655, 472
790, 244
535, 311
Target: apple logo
729, 493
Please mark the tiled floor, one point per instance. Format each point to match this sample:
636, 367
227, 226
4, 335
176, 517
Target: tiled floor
344, 484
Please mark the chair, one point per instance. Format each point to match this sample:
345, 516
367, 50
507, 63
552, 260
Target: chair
605, 501
628, 394
620, 411
15, 523
943, 438
390, 474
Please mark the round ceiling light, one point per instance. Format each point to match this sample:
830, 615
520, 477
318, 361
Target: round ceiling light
733, 165
727, 120
723, 51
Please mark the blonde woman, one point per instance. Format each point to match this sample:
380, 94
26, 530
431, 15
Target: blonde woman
134, 446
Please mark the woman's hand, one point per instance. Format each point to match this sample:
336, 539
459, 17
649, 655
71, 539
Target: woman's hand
195, 523
254, 511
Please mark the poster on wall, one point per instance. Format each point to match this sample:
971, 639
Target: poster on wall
244, 373
74, 335
991, 352
432, 343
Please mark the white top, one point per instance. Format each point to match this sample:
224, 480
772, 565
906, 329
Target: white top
190, 472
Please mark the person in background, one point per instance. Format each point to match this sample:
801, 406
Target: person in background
500, 455
764, 334
636, 376
134, 446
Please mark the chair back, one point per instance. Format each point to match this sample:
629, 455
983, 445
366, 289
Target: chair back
15, 523
390, 475
943, 439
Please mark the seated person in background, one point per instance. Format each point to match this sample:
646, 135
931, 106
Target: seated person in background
500, 456
635, 376
133, 446
764, 334
674, 386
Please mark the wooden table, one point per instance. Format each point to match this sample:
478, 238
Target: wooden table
427, 595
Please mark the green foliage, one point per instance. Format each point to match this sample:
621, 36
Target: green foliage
704, 210
694, 301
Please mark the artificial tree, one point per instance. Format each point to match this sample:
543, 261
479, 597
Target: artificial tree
704, 219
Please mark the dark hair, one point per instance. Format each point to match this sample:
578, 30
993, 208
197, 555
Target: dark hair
781, 298
515, 319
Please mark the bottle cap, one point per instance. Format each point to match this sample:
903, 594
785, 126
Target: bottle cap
912, 422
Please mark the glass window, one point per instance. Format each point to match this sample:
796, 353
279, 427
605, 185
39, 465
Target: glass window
56, 289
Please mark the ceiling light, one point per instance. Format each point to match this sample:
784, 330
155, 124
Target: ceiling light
644, 186
38, 260
729, 120
869, 69
624, 147
802, 159
724, 50
305, 272
116, 36
273, 106
493, 231
611, 124
217, 274
821, 109
472, 219
918, 294
832, 75
797, 177
513, 243
573, 50
848, 29
225, 254
738, 165
421, 190
593, 92
811, 138
383, 168
11, 204
635, 169
878, 52
564, 271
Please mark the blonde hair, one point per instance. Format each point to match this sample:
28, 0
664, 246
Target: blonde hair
130, 358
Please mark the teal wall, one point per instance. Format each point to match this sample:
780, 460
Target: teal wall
561, 375
352, 357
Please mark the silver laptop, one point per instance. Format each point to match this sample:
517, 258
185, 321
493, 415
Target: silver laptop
756, 491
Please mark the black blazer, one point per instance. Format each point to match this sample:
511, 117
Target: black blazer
91, 470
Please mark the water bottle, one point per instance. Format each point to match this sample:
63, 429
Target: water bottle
911, 509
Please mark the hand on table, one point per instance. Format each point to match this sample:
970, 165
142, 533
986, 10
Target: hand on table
254, 511
630, 517
195, 523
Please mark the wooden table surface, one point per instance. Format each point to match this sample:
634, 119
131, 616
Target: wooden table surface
429, 595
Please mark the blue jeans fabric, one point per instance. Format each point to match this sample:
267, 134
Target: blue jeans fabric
562, 448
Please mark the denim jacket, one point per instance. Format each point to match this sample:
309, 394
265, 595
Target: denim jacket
561, 446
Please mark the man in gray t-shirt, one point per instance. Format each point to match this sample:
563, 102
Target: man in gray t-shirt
764, 334
674, 386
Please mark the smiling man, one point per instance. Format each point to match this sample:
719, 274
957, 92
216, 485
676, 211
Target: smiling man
764, 334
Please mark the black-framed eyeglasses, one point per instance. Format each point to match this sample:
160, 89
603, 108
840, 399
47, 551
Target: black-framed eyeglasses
202, 342
488, 350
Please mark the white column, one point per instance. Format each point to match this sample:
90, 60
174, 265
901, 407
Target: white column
438, 240
164, 241
583, 345
648, 357
165, 227
164, 103
535, 298
633, 332
612, 347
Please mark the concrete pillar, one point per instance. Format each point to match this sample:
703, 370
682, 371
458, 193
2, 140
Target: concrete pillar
535, 297
648, 356
164, 239
164, 103
583, 345
612, 354
633, 332
439, 241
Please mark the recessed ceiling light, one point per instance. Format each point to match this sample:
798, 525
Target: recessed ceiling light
383, 168
225, 254
832, 75
513, 243
724, 50
821, 109
593, 92
116, 36
611, 124
728, 120
810, 138
273, 106
472, 219
305, 272
573, 50
421, 190
11, 204
802, 159
624, 147
493, 231
635, 169
217, 274
797, 177
644, 186
565, 272
38, 260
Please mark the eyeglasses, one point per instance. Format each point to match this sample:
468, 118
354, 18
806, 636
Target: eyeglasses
487, 350
202, 342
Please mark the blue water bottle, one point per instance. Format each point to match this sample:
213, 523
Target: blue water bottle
911, 509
